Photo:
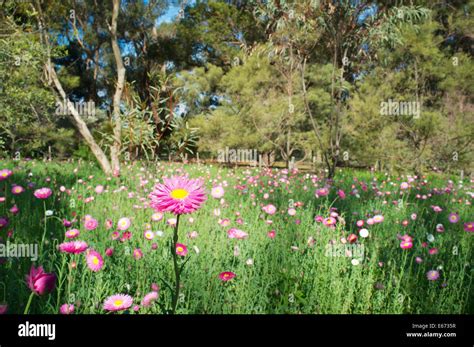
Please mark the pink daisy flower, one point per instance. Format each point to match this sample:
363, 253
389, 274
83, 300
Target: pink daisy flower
432, 275
118, 302
322, 192
469, 227
90, 223
4, 174
94, 260
453, 217
123, 223
149, 235
181, 249
270, 209
17, 190
378, 218
73, 247
217, 192
329, 222
43, 193
226, 276
149, 298
178, 195
72, 234
137, 253
157, 216
238, 234
66, 309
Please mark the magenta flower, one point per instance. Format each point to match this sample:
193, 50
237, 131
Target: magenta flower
4, 174
238, 234
123, 223
73, 247
149, 298
178, 195
432, 275
322, 192
72, 233
226, 276
66, 309
137, 254
118, 302
469, 227
90, 223
3, 308
3, 222
217, 192
181, 249
329, 222
94, 260
453, 217
17, 190
39, 281
341, 194
43, 193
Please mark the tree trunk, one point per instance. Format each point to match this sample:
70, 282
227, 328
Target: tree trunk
116, 117
77, 120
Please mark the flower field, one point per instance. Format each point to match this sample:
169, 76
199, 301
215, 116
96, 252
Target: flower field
238, 241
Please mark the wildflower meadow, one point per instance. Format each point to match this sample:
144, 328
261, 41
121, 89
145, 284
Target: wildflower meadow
191, 238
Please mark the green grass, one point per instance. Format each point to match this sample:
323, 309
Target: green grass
282, 279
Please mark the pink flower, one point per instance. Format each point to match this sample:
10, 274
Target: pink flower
43, 193
99, 189
109, 224
329, 222
322, 192
181, 249
178, 195
217, 192
73, 247
123, 223
271, 234
17, 190
270, 209
4, 174
14, 209
404, 185
3, 308
469, 227
66, 309
440, 228
90, 223
432, 275
291, 211
157, 216
118, 302
226, 276
109, 252
437, 209
238, 234
360, 223
72, 234
406, 244
378, 218
453, 217
94, 260
137, 253
149, 298
39, 281
3, 222
341, 194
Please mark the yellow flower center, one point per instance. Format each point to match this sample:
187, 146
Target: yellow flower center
179, 249
118, 302
179, 194
95, 260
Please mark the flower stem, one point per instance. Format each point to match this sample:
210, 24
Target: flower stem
177, 271
44, 231
30, 299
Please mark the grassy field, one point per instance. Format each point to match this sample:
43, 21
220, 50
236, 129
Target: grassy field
304, 266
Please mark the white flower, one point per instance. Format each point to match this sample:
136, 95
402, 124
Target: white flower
48, 213
196, 249
249, 261
364, 233
159, 233
430, 238
355, 262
